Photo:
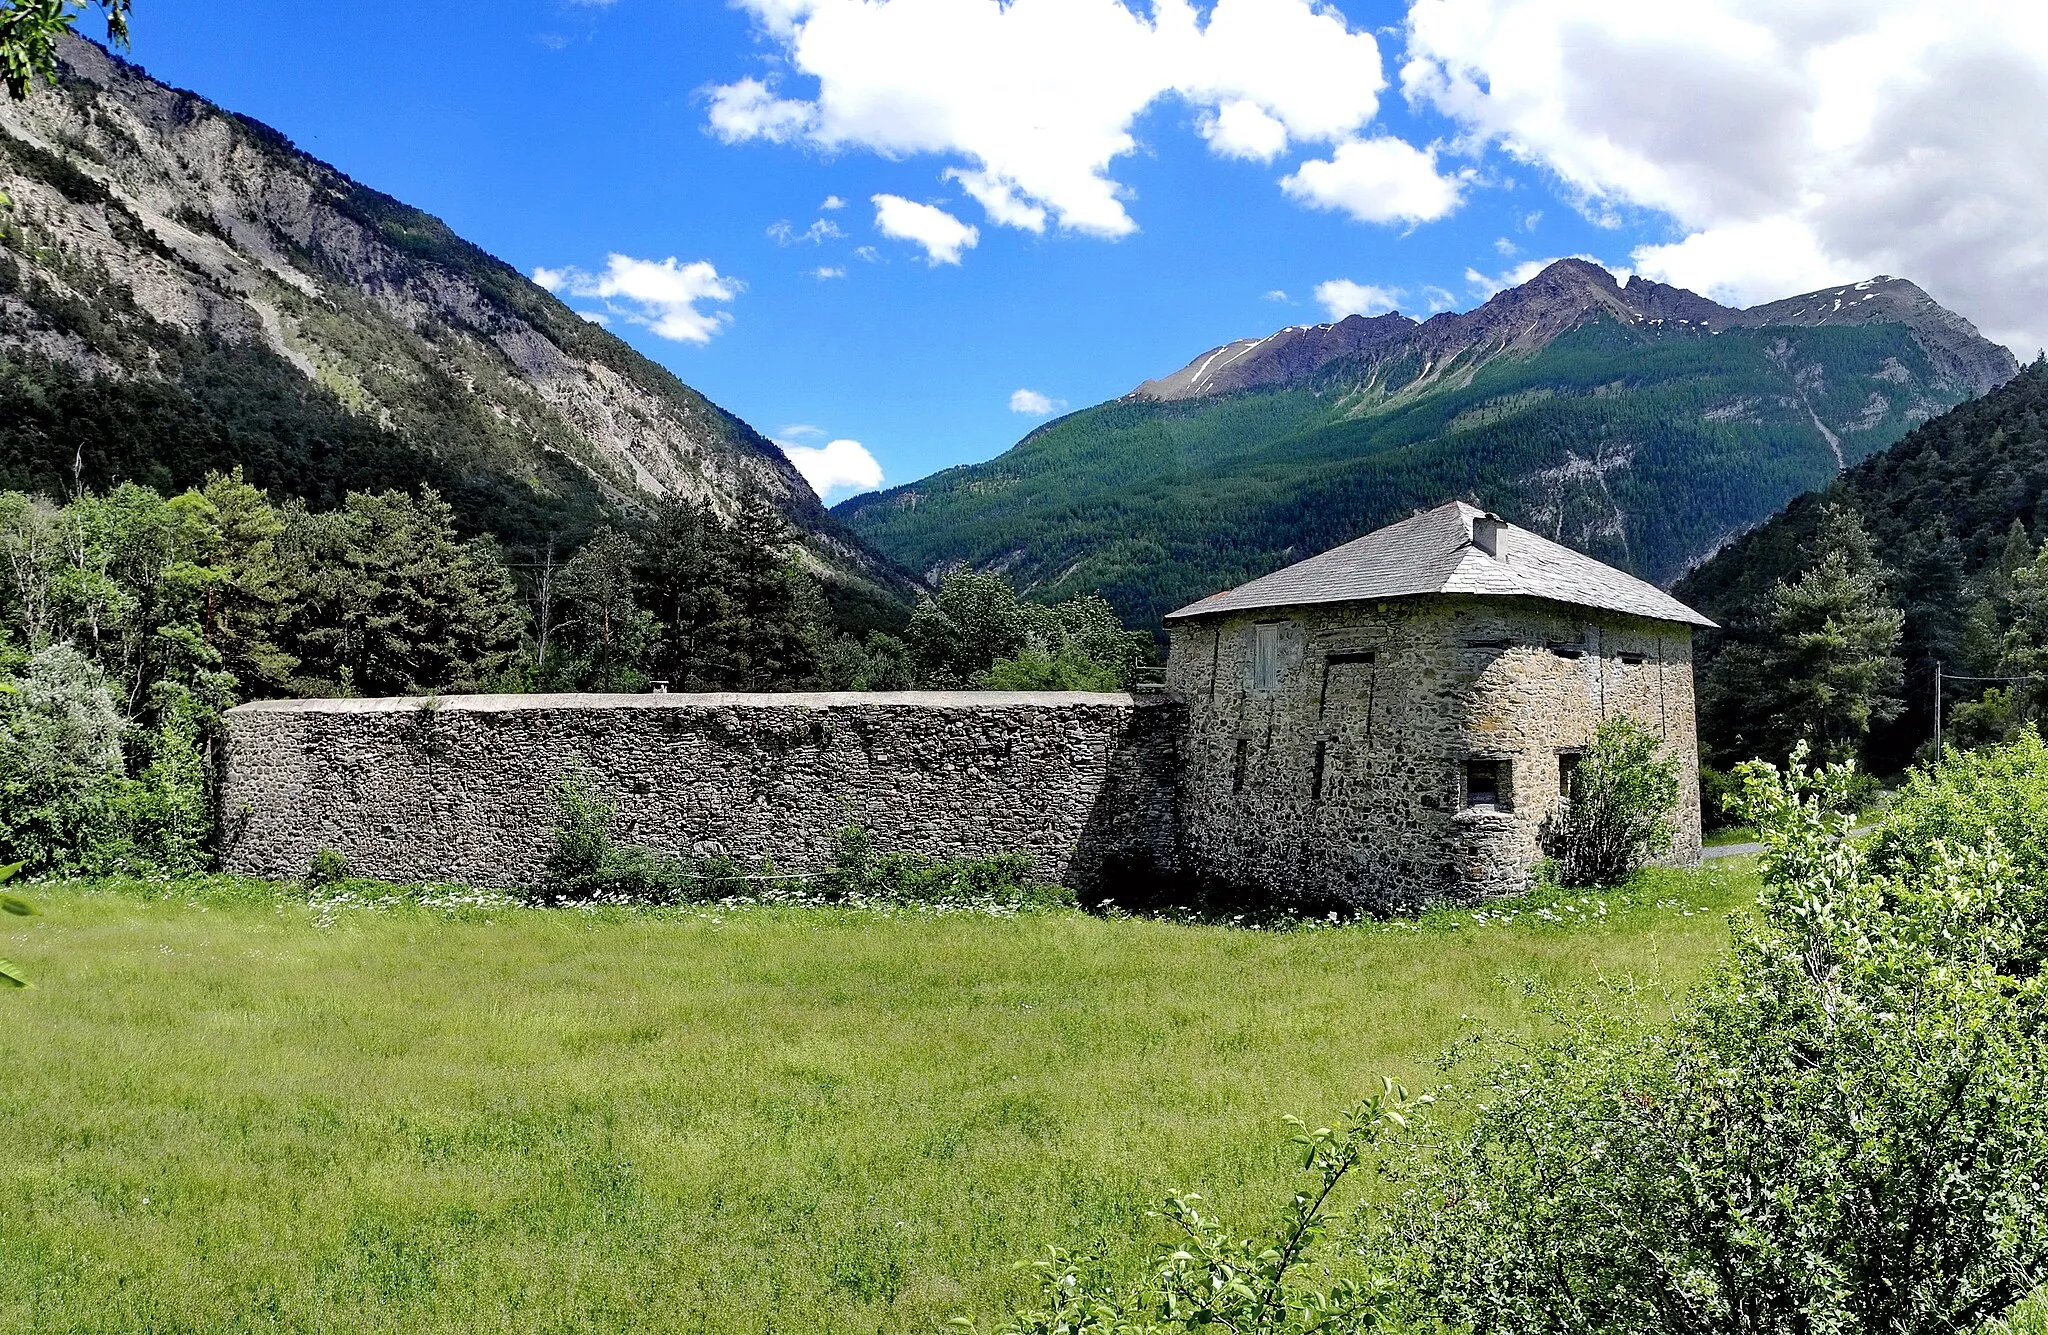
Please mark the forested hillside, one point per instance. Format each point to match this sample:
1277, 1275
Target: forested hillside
1630, 422
182, 291
1955, 514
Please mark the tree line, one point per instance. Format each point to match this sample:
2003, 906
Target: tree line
1928, 553
131, 620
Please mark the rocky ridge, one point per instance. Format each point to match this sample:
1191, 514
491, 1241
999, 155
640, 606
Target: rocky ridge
139, 216
1561, 298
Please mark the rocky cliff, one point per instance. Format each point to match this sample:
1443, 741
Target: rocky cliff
165, 261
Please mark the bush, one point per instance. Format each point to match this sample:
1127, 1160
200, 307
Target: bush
859, 872
1846, 1131
586, 863
1206, 1278
1620, 808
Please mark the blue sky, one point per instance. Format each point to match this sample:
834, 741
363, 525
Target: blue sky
558, 134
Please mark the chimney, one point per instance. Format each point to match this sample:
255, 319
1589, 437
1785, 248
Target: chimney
1486, 534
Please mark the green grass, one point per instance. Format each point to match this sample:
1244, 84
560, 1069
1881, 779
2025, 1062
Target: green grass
226, 1110
1729, 834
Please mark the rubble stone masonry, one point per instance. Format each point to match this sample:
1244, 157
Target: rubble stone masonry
1343, 773
461, 788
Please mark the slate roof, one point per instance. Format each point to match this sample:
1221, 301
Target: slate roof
1433, 552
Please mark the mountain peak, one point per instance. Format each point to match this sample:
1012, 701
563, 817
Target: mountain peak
1562, 296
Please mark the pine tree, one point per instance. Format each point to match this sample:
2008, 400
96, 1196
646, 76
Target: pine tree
1830, 664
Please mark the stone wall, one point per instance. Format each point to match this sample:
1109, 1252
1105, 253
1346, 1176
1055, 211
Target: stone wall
459, 789
1346, 779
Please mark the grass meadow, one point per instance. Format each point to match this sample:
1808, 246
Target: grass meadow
226, 1109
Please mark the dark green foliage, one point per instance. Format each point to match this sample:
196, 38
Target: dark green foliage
1603, 439
1816, 663
975, 631
389, 601
1621, 807
1953, 510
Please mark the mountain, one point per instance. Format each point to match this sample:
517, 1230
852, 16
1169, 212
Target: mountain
1942, 507
1640, 423
183, 290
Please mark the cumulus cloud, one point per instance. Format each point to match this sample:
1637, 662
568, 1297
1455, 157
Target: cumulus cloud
1342, 297
837, 466
1039, 97
1034, 404
748, 110
827, 271
832, 202
1381, 179
663, 297
942, 236
1793, 145
1277, 294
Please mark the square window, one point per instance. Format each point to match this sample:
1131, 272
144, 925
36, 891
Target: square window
1487, 782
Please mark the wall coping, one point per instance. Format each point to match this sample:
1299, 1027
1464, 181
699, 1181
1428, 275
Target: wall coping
700, 700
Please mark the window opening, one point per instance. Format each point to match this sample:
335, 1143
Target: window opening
1486, 782
1633, 660
1567, 773
1266, 657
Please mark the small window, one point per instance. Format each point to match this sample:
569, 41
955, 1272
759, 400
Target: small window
1487, 782
1633, 660
1266, 657
1567, 773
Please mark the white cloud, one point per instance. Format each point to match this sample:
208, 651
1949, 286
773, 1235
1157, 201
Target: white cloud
1485, 285
1503, 246
840, 465
799, 430
832, 202
1792, 145
1277, 294
663, 297
1342, 297
998, 198
1439, 299
825, 271
1039, 97
1380, 180
1034, 404
942, 235
824, 229
748, 110
1244, 129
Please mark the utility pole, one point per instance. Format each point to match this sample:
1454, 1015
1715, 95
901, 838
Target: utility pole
1937, 711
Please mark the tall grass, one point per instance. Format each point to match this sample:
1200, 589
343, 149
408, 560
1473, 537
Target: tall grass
229, 1110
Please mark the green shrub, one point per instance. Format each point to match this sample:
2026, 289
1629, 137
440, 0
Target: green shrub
1205, 1277
1619, 812
585, 863
858, 872
327, 868
1846, 1131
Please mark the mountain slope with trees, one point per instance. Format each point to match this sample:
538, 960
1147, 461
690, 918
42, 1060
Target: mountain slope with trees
182, 291
1946, 526
1640, 423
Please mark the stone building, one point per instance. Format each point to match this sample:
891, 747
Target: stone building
1393, 721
